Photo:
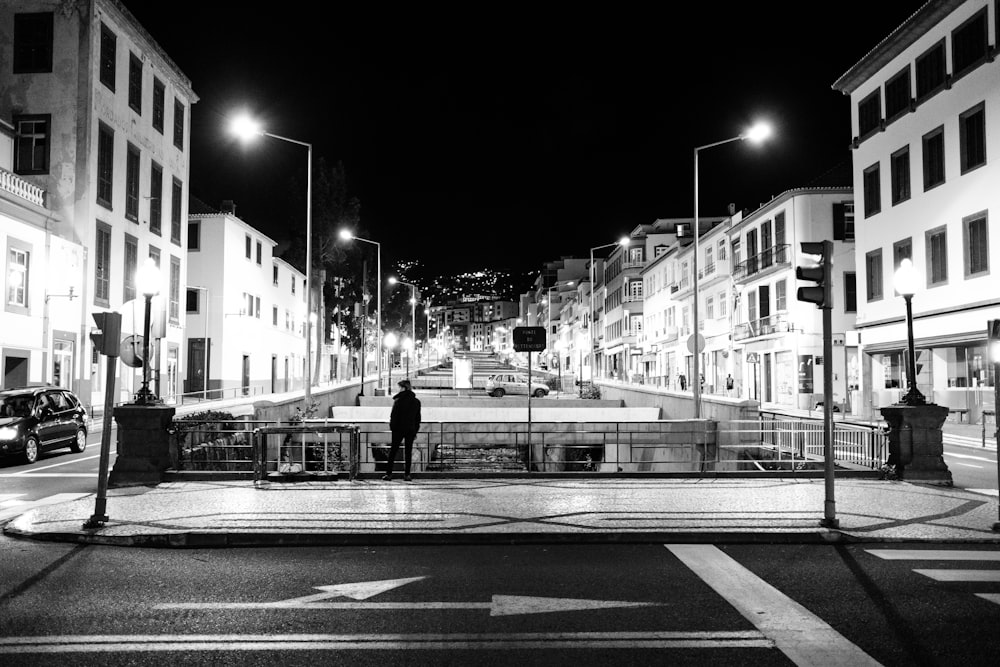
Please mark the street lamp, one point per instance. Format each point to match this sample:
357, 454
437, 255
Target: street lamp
559, 362
346, 235
623, 242
247, 128
147, 279
905, 282
408, 347
389, 341
755, 134
413, 303
427, 334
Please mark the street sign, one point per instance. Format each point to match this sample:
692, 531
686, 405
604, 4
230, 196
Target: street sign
753, 358
529, 339
692, 341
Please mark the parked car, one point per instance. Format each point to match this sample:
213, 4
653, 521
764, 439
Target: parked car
38, 419
514, 384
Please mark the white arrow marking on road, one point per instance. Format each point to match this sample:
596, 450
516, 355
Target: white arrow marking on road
361, 590
501, 605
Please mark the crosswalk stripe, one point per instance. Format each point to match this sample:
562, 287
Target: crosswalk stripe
961, 575
933, 554
48, 500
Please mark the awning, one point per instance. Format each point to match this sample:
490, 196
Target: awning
614, 349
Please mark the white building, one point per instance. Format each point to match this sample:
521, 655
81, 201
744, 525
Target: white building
925, 114
101, 124
248, 304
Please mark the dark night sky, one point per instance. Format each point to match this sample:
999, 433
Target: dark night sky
505, 135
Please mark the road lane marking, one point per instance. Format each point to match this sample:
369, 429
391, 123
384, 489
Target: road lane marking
798, 633
55, 465
48, 500
991, 597
50, 474
361, 590
969, 456
934, 554
353, 642
961, 575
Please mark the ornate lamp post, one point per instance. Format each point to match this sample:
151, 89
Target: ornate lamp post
905, 282
148, 281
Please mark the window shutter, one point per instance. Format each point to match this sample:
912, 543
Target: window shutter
839, 221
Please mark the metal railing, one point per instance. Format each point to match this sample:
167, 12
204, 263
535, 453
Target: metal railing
777, 255
306, 449
214, 444
761, 327
854, 443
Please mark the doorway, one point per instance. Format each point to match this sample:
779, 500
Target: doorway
15, 370
246, 375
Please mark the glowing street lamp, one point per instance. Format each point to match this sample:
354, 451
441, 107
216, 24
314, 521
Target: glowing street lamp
346, 235
247, 128
389, 342
147, 280
413, 304
756, 134
905, 282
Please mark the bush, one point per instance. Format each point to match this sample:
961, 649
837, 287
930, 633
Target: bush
590, 390
553, 384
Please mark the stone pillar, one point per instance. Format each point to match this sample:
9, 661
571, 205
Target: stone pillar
916, 443
144, 447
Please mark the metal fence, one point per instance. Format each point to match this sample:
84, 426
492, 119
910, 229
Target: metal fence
797, 438
308, 449
214, 444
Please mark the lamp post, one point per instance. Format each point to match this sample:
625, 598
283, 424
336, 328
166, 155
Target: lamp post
204, 377
148, 281
413, 304
623, 242
346, 235
247, 128
389, 342
408, 348
905, 282
755, 134
559, 363
427, 334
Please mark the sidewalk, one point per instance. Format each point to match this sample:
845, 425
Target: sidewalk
519, 510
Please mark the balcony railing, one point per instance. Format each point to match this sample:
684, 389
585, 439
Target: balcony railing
633, 264
775, 256
18, 186
762, 327
630, 298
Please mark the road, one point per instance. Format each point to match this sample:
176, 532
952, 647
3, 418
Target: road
695, 604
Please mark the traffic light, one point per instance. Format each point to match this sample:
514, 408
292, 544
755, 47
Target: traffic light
109, 331
821, 274
993, 340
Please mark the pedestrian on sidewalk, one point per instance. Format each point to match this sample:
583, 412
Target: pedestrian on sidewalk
404, 422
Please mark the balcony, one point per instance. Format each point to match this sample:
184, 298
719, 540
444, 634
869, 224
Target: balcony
762, 264
681, 286
632, 298
768, 325
633, 264
18, 186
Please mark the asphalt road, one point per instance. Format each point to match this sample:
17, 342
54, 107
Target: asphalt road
559, 605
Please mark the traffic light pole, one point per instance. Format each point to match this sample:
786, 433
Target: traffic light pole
107, 343
829, 505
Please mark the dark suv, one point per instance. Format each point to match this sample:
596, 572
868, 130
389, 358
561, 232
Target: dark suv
37, 419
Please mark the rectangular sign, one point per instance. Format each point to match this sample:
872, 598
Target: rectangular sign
529, 339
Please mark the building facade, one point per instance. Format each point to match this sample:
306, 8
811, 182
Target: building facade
925, 116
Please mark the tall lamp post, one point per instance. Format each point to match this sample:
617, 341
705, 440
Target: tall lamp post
905, 282
147, 279
413, 304
389, 342
346, 235
427, 333
623, 242
755, 134
247, 128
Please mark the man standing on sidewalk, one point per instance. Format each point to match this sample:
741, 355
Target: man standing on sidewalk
404, 422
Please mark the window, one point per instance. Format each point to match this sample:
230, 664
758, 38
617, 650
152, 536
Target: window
274, 315
249, 247
31, 144
256, 303
897, 94
900, 173
850, 292
975, 238
17, 277
968, 44
105, 164
175, 212
779, 237
933, 143
135, 83
780, 299
274, 274
102, 265
710, 308
132, 184
870, 114
194, 236
293, 276
175, 290
722, 249
722, 304
179, 124
873, 194
155, 198
972, 137
108, 46
709, 262
901, 250
260, 253
154, 254
930, 71
192, 305
33, 43
159, 99
131, 265
752, 306
873, 274
936, 242
843, 221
